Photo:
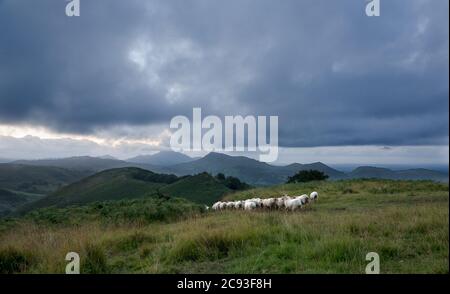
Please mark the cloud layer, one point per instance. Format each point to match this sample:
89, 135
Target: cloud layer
333, 76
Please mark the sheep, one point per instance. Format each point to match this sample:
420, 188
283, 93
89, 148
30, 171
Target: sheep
216, 206
314, 196
280, 201
238, 204
223, 206
268, 203
230, 205
293, 204
286, 202
303, 198
250, 205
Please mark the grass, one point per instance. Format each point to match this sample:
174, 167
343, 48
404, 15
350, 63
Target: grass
406, 223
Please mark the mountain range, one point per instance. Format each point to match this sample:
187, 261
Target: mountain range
29, 184
249, 170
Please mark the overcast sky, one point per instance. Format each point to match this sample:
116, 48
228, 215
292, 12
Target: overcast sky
109, 81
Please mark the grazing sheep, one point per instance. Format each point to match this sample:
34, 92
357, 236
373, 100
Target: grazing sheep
223, 206
268, 203
286, 202
230, 205
280, 201
216, 206
250, 205
293, 204
238, 204
304, 199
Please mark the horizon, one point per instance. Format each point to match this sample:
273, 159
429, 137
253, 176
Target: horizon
444, 168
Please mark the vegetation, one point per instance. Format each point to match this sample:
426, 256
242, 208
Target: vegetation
405, 222
232, 183
132, 183
304, 176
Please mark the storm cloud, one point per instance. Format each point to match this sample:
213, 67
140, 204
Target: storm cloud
334, 76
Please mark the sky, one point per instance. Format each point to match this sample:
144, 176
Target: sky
347, 88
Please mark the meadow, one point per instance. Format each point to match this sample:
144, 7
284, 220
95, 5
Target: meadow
405, 222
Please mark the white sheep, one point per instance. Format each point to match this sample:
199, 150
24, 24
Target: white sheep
230, 205
268, 203
250, 205
216, 206
280, 201
303, 198
238, 204
293, 204
314, 196
223, 206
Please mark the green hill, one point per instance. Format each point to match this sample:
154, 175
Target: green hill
201, 188
132, 183
10, 200
114, 184
36, 179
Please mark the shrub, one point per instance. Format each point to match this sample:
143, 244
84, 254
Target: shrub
94, 261
307, 176
14, 261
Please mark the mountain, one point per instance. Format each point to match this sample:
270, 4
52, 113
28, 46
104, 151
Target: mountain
163, 158
80, 163
331, 172
249, 170
132, 183
408, 174
107, 156
36, 179
4, 160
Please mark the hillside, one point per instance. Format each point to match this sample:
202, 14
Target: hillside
201, 188
36, 179
11, 200
132, 183
114, 184
405, 222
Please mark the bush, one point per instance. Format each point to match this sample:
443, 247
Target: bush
14, 261
95, 260
307, 176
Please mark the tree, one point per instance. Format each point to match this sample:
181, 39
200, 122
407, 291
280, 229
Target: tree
220, 176
304, 176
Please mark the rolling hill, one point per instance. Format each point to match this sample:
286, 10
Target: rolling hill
201, 188
249, 170
408, 174
132, 183
79, 163
11, 200
36, 179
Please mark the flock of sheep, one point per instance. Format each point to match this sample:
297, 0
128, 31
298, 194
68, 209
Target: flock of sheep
286, 202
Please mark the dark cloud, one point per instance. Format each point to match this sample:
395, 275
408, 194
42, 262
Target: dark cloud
333, 75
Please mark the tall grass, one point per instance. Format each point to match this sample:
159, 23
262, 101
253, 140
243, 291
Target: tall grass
408, 228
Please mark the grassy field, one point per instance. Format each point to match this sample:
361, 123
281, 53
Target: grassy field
405, 222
